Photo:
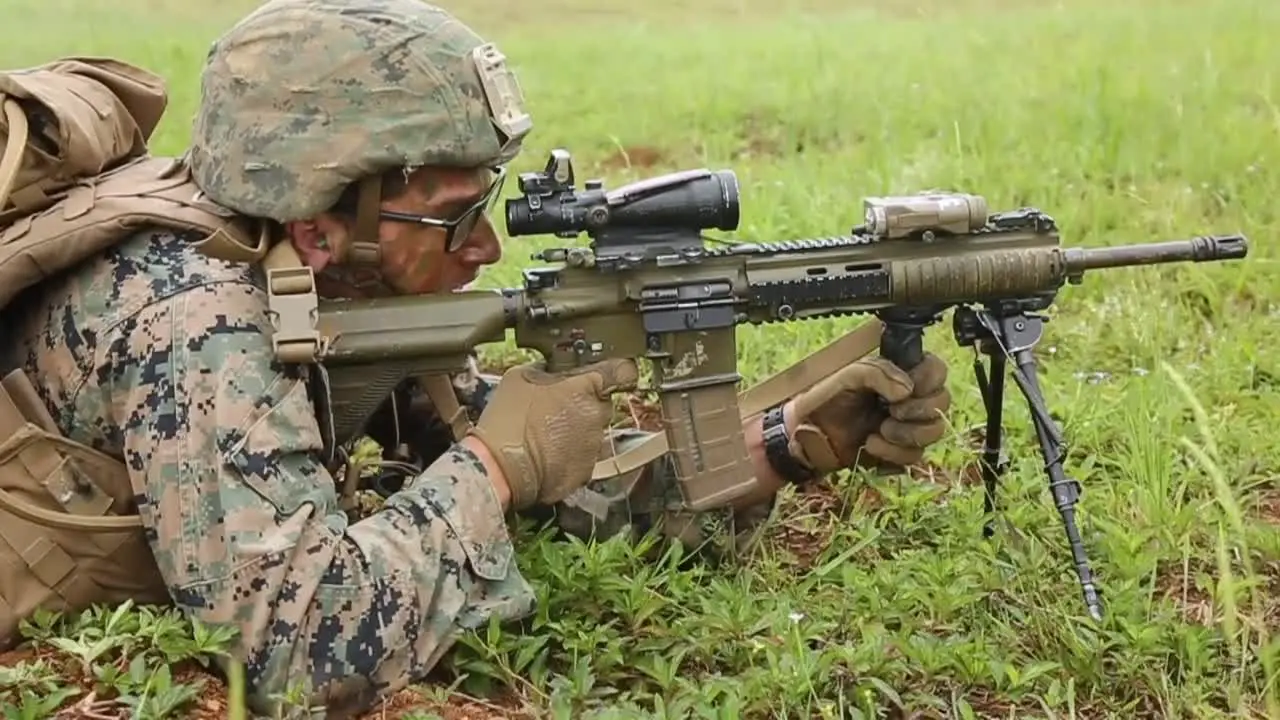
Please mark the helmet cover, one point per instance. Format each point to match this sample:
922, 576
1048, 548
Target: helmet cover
303, 97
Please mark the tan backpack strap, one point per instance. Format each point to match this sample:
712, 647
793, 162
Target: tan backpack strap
25, 398
226, 246
60, 521
777, 388
439, 389
14, 146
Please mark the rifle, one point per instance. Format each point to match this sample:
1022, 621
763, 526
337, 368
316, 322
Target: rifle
648, 286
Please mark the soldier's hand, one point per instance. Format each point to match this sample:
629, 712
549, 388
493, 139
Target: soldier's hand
543, 428
842, 420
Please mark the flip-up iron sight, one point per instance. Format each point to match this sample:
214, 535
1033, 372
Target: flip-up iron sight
655, 217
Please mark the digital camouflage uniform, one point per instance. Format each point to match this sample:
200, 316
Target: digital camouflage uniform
162, 356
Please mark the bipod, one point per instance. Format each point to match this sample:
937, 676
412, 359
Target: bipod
1008, 331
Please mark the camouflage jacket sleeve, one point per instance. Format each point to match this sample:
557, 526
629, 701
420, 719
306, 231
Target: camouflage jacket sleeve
223, 446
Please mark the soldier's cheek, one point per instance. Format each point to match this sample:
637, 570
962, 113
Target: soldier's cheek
414, 267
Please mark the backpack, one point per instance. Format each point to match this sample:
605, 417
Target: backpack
75, 178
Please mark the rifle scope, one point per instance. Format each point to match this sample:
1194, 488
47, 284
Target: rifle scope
689, 199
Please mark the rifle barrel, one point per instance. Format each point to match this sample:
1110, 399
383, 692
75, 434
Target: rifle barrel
1205, 248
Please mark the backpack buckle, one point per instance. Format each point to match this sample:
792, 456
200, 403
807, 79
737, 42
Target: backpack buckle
295, 310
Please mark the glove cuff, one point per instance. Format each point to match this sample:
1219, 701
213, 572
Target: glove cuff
777, 448
516, 469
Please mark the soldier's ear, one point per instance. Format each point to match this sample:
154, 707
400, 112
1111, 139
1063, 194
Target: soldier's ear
319, 241
303, 234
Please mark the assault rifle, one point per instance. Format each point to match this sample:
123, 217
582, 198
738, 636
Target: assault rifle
648, 286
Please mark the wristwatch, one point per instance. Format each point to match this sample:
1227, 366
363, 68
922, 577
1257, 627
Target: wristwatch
777, 450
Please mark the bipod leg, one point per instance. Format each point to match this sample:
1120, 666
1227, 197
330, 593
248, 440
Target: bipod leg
991, 385
1017, 333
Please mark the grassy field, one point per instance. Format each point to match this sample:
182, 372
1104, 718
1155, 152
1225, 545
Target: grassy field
879, 597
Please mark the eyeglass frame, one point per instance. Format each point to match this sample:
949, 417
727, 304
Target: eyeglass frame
453, 239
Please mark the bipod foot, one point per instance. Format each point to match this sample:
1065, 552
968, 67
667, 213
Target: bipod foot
1007, 333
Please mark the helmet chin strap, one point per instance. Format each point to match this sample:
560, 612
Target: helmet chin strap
364, 248
356, 265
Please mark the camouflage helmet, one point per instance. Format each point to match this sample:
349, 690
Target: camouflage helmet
303, 97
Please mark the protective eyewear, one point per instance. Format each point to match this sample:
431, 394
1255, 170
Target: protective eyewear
459, 229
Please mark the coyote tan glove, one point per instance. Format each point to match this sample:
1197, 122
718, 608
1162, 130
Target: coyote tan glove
842, 420
544, 429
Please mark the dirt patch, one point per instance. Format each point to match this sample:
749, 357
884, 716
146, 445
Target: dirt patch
1266, 506
23, 654
455, 707
766, 133
95, 703
210, 702
811, 518
756, 147
970, 474
760, 137
1269, 595
635, 156
808, 521
1257, 607
989, 704
1177, 584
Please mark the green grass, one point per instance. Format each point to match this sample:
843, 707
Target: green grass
1128, 122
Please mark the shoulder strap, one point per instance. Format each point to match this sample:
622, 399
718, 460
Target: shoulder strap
101, 211
439, 389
